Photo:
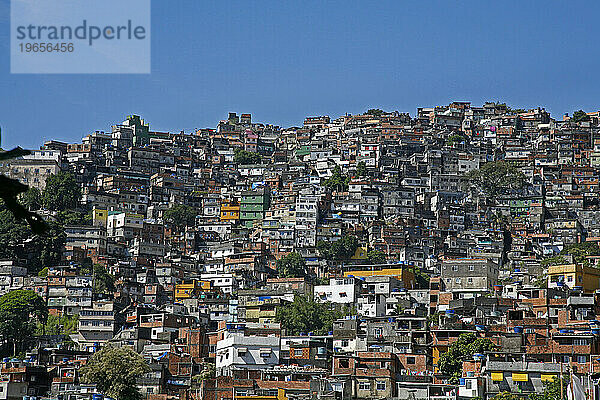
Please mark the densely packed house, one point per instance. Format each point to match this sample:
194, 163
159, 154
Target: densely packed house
419, 235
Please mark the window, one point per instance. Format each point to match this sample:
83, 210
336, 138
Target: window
298, 353
344, 363
470, 280
380, 385
364, 385
471, 268
265, 352
410, 360
345, 343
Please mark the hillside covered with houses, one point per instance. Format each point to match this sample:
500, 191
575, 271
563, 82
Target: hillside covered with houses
449, 254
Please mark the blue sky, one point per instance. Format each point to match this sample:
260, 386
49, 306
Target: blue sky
283, 60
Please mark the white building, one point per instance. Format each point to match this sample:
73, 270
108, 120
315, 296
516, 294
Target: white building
226, 282
340, 290
246, 352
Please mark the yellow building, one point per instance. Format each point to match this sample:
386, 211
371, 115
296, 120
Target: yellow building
230, 211
191, 289
99, 217
572, 275
402, 274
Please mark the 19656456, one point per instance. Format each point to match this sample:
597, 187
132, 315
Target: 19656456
46, 47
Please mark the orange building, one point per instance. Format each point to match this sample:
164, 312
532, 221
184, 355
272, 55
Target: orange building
230, 210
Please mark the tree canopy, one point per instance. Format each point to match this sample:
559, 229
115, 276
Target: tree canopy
555, 260
467, 344
10, 189
72, 217
61, 192
506, 396
455, 139
338, 180
103, 281
580, 251
244, 157
361, 169
376, 257
58, 325
18, 240
340, 250
291, 266
580, 115
305, 315
496, 178
552, 390
20, 311
115, 370
32, 199
376, 112
181, 215
208, 372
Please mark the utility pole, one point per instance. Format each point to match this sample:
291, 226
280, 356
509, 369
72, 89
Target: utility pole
562, 395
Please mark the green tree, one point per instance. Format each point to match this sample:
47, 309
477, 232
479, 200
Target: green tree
580, 251
376, 112
11, 188
340, 250
376, 257
103, 281
555, 260
361, 169
115, 370
422, 278
19, 240
495, 178
61, 192
20, 311
32, 199
337, 181
455, 139
467, 344
580, 115
291, 266
72, 217
58, 325
208, 372
243, 157
552, 390
306, 315
181, 215
506, 396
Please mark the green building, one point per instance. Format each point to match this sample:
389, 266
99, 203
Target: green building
253, 205
141, 130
